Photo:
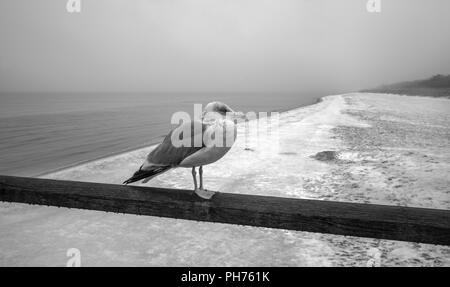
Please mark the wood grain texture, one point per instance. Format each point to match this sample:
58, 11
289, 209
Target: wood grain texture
342, 218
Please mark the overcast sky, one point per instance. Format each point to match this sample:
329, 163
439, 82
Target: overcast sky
219, 45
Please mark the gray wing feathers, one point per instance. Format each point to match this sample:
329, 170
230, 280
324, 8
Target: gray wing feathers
167, 154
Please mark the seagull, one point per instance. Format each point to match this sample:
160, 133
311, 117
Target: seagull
203, 142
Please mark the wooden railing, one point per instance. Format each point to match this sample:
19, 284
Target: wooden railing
343, 218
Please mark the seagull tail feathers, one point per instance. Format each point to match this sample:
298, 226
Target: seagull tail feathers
146, 174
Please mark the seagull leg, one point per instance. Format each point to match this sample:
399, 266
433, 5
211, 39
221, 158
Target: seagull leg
203, 193
194, 176
200, 171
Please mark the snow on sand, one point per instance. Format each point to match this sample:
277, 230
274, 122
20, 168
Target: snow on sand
386, 149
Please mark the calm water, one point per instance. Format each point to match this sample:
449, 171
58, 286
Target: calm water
44, 132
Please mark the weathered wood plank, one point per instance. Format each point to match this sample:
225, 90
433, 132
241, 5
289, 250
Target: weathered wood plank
355, 219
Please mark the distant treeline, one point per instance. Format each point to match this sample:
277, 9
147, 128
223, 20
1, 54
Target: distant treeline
436, 86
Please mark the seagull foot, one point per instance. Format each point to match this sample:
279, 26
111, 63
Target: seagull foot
204, 193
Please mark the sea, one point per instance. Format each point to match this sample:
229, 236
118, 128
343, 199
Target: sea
46, 132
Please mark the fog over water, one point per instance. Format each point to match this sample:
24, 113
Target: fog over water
219, 45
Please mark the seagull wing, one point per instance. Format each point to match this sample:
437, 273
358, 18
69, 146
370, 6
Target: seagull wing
167, 154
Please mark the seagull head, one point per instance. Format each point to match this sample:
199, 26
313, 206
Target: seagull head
221, 110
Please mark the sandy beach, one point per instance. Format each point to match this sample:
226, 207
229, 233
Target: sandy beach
359, 147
